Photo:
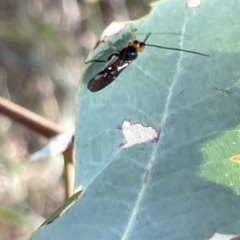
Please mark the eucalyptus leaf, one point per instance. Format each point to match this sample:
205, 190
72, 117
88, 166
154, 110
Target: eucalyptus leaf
181, 184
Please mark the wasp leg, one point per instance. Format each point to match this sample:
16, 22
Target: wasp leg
133, 33
95, 60
98, 60
112, 46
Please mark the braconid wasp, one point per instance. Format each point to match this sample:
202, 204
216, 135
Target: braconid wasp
122, 58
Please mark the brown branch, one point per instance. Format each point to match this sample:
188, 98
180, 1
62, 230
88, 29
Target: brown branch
69, 169
46, 128
29, 119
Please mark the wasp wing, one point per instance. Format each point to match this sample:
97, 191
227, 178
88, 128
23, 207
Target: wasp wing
108, 75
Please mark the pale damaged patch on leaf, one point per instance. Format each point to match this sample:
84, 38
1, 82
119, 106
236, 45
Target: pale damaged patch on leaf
193, 3
112, 29
137, 134
218, 236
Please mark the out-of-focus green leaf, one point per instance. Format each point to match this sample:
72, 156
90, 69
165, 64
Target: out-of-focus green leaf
67, 204
181, 185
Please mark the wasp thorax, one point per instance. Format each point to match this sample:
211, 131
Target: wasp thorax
130, 54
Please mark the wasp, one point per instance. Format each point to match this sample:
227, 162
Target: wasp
121, 59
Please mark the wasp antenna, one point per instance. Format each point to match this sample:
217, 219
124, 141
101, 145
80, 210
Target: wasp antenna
146, 38
178, 49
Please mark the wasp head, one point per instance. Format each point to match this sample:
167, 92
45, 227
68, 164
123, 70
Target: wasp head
139, 46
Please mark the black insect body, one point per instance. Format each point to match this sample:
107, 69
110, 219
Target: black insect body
122, 59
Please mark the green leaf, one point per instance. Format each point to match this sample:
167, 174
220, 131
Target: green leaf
180, 184
60, 211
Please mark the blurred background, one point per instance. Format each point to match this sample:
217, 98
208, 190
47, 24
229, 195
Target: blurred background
43, 47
